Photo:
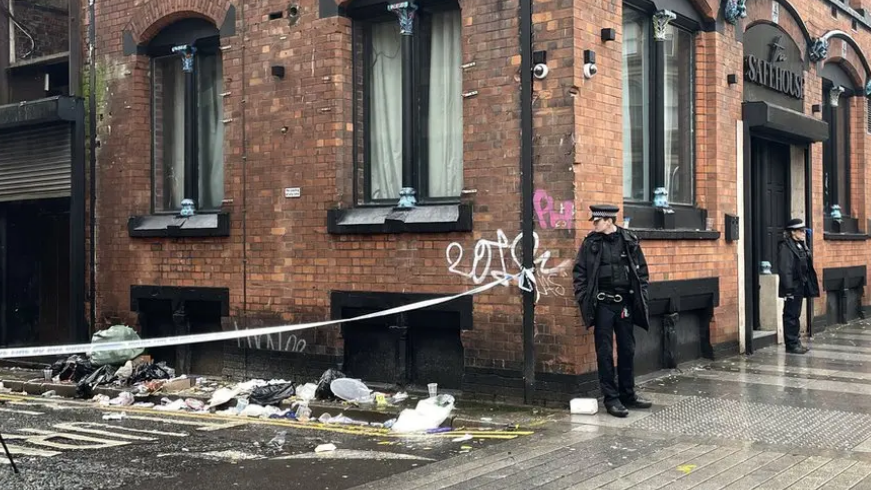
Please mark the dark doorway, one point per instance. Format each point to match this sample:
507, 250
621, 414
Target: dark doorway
770, 210
35, 263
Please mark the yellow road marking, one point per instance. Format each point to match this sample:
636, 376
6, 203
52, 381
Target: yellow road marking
352, 430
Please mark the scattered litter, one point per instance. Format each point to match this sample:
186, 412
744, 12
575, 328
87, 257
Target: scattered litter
115, 416
324, 389
101, 400
104, 375
124, 372
168, 405
272, 394
464, 438
439, 430
429, 414
221, 396
279, 439
178, 384
252, 410
486, 419
307, 391
49, 394
73, 368
144, 405
115, 333
303, 412
399, 397
195, 405
466, 448
123, 399
351, 390
325, 448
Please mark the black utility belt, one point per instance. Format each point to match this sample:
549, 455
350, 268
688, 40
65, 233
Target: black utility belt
612, 297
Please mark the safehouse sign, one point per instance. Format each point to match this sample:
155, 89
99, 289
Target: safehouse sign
773, 67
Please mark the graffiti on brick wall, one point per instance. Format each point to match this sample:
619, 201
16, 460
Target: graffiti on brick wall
278, 342
500, 258
549, 217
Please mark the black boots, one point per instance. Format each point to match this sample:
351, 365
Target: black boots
618, 408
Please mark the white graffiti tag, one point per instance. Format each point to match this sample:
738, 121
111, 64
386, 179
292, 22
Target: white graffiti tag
268, 342
490, 259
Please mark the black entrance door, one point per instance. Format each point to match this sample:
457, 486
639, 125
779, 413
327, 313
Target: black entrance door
771, 205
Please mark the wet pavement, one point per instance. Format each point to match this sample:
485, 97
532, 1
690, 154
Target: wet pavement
769, 421
64, 444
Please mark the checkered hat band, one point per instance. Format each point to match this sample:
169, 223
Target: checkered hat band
604, 214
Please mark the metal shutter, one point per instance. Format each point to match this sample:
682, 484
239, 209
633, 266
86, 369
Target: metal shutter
35, 163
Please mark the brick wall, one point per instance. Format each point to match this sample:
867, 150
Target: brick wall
47, 25
300, 133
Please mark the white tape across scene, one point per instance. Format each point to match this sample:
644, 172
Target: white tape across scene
59, 350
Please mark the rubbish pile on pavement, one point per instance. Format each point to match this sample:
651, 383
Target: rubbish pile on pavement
130, 370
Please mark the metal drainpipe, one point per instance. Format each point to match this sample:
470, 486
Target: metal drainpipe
244, 185
526, 189
92, 127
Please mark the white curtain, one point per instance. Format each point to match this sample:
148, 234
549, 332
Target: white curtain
171, 92
385, 112
445, 121
211, 132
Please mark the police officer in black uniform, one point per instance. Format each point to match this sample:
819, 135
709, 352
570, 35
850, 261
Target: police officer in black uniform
610, 282
798, 280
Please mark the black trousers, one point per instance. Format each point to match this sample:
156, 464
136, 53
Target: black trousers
792, 321
609, 324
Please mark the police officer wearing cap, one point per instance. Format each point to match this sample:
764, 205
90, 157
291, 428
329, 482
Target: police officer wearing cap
610, 282
798, 280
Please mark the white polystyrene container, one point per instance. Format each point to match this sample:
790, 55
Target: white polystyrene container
584, 406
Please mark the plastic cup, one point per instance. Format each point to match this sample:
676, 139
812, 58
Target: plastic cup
433, 389
47, 374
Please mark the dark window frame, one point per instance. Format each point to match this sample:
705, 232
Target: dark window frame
831, 152
208, 45
687, 215
364, 14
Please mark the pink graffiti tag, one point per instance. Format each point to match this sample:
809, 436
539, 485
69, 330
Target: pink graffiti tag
548, 217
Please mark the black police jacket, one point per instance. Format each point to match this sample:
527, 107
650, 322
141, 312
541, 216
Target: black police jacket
797, 276
586, 273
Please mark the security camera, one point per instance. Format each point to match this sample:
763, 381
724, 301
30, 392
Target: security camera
540, 71
590, 70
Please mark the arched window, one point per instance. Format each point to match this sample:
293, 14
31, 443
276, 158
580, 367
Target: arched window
838, 89
187, 116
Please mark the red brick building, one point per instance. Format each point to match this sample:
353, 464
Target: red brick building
284, 123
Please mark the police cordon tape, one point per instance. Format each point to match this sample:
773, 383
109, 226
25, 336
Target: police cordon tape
60, 350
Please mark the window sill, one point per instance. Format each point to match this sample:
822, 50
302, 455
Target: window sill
422, 219
643, 216
200, 225
844, 226
653, 234
845, 237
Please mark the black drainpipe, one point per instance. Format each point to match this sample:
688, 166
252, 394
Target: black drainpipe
526, 195
92, 128
244, 318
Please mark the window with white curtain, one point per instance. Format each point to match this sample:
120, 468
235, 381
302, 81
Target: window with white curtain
188, 128
438, 111
657, 107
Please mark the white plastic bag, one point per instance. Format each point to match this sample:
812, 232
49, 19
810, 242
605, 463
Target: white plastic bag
429, 414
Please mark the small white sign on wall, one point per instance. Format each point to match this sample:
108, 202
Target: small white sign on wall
292, 192
775, 11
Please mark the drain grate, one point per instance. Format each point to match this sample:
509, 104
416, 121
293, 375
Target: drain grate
758, 422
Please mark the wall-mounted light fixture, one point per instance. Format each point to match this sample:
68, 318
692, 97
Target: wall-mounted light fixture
609, 34
732, 79
816, 108
277, 71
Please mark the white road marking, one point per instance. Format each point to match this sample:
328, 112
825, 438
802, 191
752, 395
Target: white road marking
83, 427
355, 454
43, 438
201, 426
23, 412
